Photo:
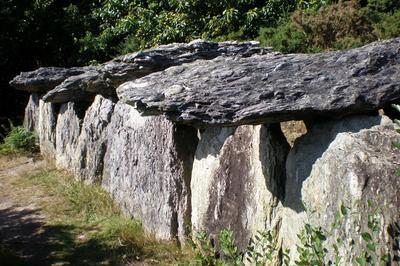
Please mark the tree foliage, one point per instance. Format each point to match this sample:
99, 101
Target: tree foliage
130, 25
341, 25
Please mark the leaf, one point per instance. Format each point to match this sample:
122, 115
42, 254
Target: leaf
396, 144
370, 225
320, 235
371, 247
308, 228
343, 210
386, 258
361, 261
366, 236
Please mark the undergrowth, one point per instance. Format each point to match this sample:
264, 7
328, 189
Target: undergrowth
96, 229
18, 140
340, 25
312, 248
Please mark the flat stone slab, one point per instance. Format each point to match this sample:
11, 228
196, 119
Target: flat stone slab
272, 87
77, 84
45, 78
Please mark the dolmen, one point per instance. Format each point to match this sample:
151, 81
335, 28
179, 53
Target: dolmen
190, 137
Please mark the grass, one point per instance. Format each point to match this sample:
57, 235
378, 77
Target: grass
18, 140
83, 226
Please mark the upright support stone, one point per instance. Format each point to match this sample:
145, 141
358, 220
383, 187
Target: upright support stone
347, 162
31, 118
67, 132
47, 129
147, 169
238, 179
92, 142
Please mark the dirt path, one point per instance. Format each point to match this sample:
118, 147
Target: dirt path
46, 218
24, 239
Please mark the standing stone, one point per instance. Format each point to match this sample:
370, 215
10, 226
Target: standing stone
92, 142
238, 179
147, 169
67, 133
31, 118
344, 162
47, 129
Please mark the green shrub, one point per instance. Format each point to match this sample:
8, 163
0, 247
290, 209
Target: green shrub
125, 26
388, 25
312, 249
383, 6
338, 26
286, 38
18, 140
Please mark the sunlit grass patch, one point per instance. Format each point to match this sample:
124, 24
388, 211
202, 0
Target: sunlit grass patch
18, 140
90, 226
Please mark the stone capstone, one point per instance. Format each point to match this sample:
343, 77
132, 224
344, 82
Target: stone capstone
147, 169
45, 78
347, 162
81, 84
92, 142
229, 91
238, 179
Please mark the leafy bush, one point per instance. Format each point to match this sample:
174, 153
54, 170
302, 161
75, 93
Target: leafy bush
313, 248
336, 26
286, 38
388, 25
384, 6
18, 140
131, 25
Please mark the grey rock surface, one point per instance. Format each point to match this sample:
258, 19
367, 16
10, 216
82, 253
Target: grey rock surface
44, 78
343, 162
270, 88
238, 180
147, 169
31, 118
92, 141
81, 87
77, 84
47, 129
67, 133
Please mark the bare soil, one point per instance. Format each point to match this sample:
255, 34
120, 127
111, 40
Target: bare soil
23, 236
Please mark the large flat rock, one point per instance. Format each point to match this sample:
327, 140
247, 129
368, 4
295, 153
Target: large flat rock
147, 169
46, 129
31, 118
67, 132
82, 84
92, 142
347, 162
45, 78
238, 179
272, 87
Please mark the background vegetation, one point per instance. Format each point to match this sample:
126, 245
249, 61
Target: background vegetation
17, 141
71, 32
